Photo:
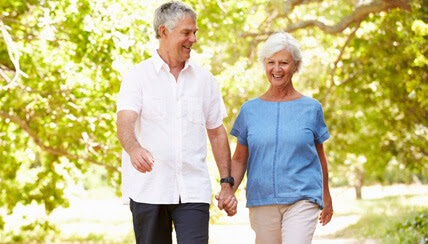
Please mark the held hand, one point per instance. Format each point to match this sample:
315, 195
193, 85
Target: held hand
142, 160
231, 208
227, 200
327, 212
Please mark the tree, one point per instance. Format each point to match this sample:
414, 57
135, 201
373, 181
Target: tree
61, 65
386, 77
360, 54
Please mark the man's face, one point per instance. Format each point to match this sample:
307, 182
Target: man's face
179, 41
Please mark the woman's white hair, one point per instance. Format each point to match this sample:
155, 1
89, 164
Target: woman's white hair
170, 13
278, 42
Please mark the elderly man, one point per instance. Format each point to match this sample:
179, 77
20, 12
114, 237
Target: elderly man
165, 106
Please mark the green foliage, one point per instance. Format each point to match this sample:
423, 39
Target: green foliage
391, 219
57, 119
62, 116
379, 117
412, 230
36, 232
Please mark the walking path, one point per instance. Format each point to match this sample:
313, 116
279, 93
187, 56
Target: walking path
109, 218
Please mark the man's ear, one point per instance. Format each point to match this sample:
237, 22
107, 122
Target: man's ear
163, 31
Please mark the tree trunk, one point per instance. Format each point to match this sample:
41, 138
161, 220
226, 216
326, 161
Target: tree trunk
359, 182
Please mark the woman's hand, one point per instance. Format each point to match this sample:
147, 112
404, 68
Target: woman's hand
327, 212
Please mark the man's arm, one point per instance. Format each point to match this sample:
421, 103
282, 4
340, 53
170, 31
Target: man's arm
221, 151
141, 159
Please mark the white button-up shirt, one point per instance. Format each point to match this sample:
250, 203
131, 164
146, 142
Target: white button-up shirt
172, 122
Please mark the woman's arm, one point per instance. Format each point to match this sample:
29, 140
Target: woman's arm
327, 212
239, 164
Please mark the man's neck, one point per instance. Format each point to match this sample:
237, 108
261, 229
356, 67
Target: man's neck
173, 65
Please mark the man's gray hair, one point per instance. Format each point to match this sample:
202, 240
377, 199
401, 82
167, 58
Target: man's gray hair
170, 13
278, 42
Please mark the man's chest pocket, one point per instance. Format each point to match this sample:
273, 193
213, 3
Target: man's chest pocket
154, 108
193, 109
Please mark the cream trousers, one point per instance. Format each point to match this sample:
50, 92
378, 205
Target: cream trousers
290, 224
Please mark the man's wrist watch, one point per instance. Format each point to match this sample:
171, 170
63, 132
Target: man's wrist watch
229, 180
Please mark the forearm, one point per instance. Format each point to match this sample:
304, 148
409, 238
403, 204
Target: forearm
326, 188
127, 140
221, 152
327, 212
324, 168
126, 130
238, 172
239, 164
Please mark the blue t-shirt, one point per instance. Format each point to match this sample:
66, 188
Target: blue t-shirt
283, 165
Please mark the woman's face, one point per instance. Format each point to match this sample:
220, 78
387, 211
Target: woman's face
280, 67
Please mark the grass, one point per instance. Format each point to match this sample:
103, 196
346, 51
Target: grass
381, 219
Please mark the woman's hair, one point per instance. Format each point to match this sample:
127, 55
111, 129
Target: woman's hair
170, 13
278, 42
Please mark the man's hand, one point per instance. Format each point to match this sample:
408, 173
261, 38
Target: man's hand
327, 212
227, 200
141, 159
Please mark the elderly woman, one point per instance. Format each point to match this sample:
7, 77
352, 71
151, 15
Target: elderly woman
280, 145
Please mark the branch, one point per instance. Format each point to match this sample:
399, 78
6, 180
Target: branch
13, 54
424, 152
360, 13
333, 70
289, 5
220, 5
13, 20
265, 24
4, 76
54, 151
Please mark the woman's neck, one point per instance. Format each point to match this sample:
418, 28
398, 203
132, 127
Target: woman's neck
281, 94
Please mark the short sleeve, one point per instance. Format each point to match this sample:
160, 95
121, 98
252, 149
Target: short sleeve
321, 128
216, 110
240, 129
130, 93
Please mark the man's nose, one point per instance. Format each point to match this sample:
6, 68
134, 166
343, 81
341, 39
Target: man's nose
193, 38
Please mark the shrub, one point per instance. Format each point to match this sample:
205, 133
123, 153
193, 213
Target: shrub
412, 230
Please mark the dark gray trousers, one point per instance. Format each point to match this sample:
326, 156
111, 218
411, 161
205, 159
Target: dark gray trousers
153, 222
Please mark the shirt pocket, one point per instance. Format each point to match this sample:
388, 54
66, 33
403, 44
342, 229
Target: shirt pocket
153, 108
193, 109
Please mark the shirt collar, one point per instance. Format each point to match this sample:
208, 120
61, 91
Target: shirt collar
159, 63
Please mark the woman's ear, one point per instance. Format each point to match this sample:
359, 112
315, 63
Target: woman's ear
296, 65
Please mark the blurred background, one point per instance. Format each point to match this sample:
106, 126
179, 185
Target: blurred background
62, 62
